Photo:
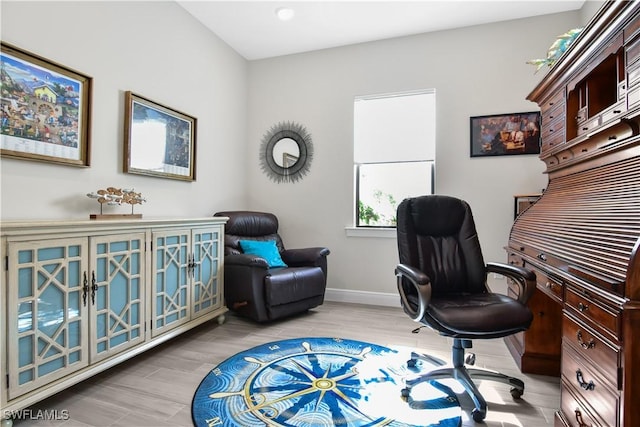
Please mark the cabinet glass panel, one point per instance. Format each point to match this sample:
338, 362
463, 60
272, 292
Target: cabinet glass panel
171, 261
47, 318
117, 295
206, 295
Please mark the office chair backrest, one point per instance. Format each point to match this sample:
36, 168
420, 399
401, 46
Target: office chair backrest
437, 235
249, 225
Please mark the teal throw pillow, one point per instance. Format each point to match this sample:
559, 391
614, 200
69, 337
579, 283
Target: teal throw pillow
266, 249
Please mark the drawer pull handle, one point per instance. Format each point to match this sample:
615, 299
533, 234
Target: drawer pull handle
612, 138
582, 307
85, 289
94, 288
579, 419
543, 257
617, 111
585, 345
585, 385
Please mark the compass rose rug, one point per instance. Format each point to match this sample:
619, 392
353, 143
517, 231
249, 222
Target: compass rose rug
314, 382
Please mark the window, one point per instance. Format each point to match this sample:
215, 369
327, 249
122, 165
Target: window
394, 153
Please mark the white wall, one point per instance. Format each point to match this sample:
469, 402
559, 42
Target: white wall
476, 71
159, 51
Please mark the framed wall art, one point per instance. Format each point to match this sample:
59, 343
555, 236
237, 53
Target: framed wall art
505, 134
158, 141
46, 109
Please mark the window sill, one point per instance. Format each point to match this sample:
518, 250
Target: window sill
386, 233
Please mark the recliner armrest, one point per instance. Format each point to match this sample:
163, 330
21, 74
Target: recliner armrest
303, 256
421, 283
245, 260
525, 278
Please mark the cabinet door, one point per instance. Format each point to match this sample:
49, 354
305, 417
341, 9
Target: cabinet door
47, 312
206, 287
170, 280
117, 293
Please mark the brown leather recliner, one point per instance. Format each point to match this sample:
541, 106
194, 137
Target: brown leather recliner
262, 292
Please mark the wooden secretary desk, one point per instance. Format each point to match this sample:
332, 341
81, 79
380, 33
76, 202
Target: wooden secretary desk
582, 237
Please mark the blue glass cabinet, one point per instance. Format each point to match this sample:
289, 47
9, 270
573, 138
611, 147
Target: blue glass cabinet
82, 296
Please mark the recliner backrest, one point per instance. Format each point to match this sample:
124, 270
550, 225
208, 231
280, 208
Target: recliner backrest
249, 225
437, 235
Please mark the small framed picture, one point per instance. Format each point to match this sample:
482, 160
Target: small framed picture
505, 134
159, 141
522, 202
46, 109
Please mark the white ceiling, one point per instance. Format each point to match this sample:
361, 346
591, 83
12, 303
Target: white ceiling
252, 29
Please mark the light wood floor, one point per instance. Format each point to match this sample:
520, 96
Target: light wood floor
156, 388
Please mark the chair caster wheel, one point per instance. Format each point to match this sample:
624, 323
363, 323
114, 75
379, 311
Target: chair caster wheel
516, 393
470, 359
478, 415
405, 392
411, 363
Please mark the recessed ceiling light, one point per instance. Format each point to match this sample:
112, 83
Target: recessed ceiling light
285, 13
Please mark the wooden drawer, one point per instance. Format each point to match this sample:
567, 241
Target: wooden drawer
553, 114
592, 347
551, 286
590, 125
585, 148
592, 392
575, 413
633, 96
553, 101
564, 156
593, 312
551, 161
633, 75
552, 138
613, 112
552, 126
629, 32
582, 115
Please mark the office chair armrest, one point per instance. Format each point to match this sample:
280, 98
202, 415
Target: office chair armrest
526, 279
421, 283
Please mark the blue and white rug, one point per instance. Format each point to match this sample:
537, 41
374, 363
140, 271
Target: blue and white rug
312, 382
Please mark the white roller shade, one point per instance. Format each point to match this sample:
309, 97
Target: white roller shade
394, 128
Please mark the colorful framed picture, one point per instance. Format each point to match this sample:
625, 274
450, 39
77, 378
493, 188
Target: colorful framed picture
505, 134
159, 141
46, 109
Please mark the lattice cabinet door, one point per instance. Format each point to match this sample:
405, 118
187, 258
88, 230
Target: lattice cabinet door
171, 268
117, 293
206, 288
47, 311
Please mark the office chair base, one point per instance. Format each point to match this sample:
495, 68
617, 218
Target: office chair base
465, 377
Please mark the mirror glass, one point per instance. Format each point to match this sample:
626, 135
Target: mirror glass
286, 152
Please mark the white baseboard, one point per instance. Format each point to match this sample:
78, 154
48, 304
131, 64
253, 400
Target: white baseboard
362, 297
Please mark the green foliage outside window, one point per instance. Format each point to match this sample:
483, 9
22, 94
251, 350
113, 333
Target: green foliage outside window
382, 215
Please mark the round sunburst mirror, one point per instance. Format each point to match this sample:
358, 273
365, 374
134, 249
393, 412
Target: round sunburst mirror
286, 151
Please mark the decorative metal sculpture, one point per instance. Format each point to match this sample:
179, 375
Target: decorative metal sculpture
117, 196
286, 152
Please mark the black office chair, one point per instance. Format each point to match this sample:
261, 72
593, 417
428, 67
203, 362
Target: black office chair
442, 281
